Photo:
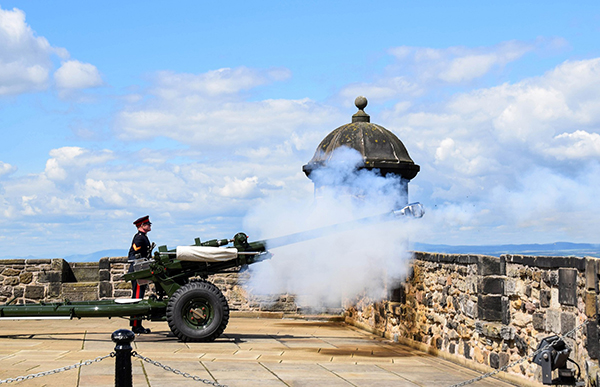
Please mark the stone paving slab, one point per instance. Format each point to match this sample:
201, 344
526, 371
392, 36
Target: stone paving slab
251, 352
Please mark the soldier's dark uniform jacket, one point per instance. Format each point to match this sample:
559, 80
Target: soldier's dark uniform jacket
140, 247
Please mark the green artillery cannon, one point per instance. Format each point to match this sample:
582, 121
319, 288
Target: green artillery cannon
195, 309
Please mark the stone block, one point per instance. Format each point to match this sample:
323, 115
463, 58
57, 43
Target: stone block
491, 330
438, 343
592, 344
507, 333
470, 309
591, 275
104, 264
567, 286
26, 278
521, 319
491, 266
18, 291
9, 272
34, 292
6, 291
13, 261
567, 322
510, 287
50, 276
58, 264
105, 289
35, 268
545, 296
521, 345
529, 307
553, 321
104, 275
503, 359
493, 308
11, 281
494, 360
122, 293
80, 291
491, 285
54, 289
590, 303
539, 322
85, 271
554, 298
467, 350
38, 261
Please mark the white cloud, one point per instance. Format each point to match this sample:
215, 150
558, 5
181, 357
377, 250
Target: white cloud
237, 188
69, 162
534, 142
25, 59
210, 110
381, 90
577, 145
225, 81
6, 169
457, 64
76, 75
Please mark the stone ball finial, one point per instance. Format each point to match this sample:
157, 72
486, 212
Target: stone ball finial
360, 102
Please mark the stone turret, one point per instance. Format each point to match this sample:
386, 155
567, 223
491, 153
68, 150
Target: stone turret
380, 149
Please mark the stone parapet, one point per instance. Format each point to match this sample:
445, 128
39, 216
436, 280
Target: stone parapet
52, 280
488, 310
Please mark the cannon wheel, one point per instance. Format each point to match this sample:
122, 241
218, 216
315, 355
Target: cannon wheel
198, 311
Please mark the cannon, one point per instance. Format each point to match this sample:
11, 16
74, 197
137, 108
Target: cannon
194, 308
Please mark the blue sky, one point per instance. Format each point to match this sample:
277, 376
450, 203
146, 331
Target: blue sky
197, 112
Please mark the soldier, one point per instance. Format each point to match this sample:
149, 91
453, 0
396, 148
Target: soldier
140, 248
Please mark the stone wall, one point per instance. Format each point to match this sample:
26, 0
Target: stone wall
52, 280
478, 310
490, 311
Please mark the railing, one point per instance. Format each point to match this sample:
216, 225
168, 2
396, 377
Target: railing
123, 353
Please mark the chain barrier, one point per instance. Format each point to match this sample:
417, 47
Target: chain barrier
175, 371
521, 360
57, 370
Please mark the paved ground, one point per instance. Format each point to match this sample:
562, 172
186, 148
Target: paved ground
252, 352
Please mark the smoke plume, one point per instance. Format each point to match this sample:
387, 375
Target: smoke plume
367, 260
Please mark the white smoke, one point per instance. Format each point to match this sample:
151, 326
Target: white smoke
368, 260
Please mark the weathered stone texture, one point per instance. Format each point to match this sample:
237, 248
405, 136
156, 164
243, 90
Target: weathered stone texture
34, 292
493, 310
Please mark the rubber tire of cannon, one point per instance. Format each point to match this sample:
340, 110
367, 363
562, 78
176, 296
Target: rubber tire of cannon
195, 294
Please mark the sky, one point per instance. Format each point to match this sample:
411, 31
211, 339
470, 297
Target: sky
202, 114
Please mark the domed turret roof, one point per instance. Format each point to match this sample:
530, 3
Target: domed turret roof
379, 147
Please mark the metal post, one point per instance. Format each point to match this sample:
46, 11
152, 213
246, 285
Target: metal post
123, 339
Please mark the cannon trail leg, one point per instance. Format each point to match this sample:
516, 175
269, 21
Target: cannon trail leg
198, 311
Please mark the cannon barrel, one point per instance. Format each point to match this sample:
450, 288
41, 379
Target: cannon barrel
414, 210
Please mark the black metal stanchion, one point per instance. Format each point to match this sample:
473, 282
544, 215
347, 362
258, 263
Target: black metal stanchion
123, 339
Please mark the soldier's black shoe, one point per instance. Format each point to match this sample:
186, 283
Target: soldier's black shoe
140, 330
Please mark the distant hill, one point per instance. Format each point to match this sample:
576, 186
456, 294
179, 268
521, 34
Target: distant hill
91, 257
548, 249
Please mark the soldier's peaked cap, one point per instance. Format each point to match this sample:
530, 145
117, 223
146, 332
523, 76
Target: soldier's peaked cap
142, 220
